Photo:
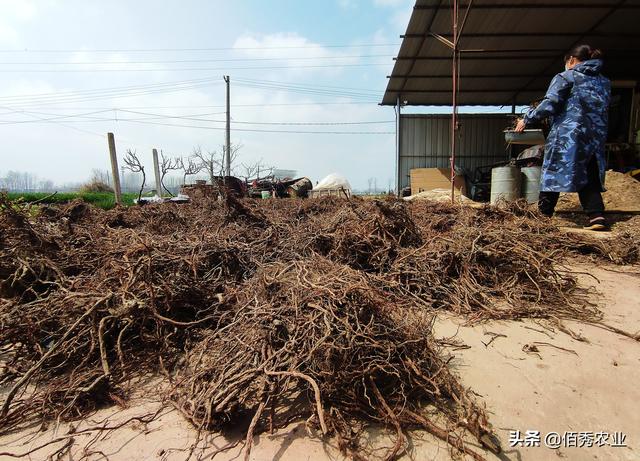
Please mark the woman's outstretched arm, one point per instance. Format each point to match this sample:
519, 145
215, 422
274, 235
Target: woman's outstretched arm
553, 101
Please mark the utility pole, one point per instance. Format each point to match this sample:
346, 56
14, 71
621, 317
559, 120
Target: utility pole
227, 157
114, 168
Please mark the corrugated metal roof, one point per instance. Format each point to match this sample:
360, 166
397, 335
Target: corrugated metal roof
527, 40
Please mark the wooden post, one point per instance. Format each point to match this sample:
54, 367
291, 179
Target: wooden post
114, 168
156, 171
227, 157
398, 139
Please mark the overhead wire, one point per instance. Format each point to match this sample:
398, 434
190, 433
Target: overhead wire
260, 106
232, 48
148, 121
89, 117
170, 87
248, 80
185, 61
191, 69
42, 120
127, 87
268, 131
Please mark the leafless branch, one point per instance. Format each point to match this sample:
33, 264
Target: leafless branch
132, 163
213, 162
255, 171
168, 164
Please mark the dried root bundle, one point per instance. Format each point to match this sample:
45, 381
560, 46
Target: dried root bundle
263, 312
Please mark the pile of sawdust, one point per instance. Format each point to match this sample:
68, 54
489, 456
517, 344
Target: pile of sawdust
623, 194
438, 195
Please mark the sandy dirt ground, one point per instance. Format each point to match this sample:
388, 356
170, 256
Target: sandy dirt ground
530, 377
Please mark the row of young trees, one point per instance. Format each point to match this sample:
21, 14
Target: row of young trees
133, 176
211, 163
20, 181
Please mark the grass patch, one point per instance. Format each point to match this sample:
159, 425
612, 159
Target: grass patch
104, 200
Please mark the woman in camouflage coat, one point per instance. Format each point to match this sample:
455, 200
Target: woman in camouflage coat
577, 103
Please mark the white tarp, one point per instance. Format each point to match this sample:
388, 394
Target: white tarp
332, 182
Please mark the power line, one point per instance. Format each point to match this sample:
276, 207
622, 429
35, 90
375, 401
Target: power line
368, 97
181, 61
268, 131
42, 120
171, 84
154, 50
88, 117
125, 92
264, 105
117, 88
244, 122
145, 122
277, 82
81, 98
224, 69
313, 90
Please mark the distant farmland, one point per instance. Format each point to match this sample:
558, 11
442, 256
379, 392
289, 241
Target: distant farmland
105, 200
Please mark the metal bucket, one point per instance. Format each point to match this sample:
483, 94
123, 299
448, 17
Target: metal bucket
265, 194
505, 184
531, 183
531, 137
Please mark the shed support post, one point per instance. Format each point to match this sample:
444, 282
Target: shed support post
454, 99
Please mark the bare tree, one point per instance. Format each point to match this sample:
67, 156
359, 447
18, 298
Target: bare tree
133, 164
103, 176
20, 181
191, 167
213, 162
255, 171
45, 185
168, 164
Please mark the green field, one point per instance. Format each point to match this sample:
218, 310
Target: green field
105, 200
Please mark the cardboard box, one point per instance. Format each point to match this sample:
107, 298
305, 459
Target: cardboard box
424, 179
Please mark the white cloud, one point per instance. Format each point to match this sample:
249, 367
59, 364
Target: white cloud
289, 50
12, 14
21, 10
389, 3
347, 4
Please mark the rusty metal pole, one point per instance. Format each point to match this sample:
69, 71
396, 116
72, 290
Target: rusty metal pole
454, 102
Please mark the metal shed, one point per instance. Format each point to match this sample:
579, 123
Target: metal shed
426, 142
501, 53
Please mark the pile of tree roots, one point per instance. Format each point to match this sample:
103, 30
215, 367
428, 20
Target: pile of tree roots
261, 313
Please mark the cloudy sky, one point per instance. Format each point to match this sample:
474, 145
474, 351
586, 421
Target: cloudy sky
151, 72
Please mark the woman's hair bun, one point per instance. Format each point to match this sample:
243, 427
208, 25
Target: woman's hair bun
583, 53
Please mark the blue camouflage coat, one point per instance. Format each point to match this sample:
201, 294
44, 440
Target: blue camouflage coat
577, 102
